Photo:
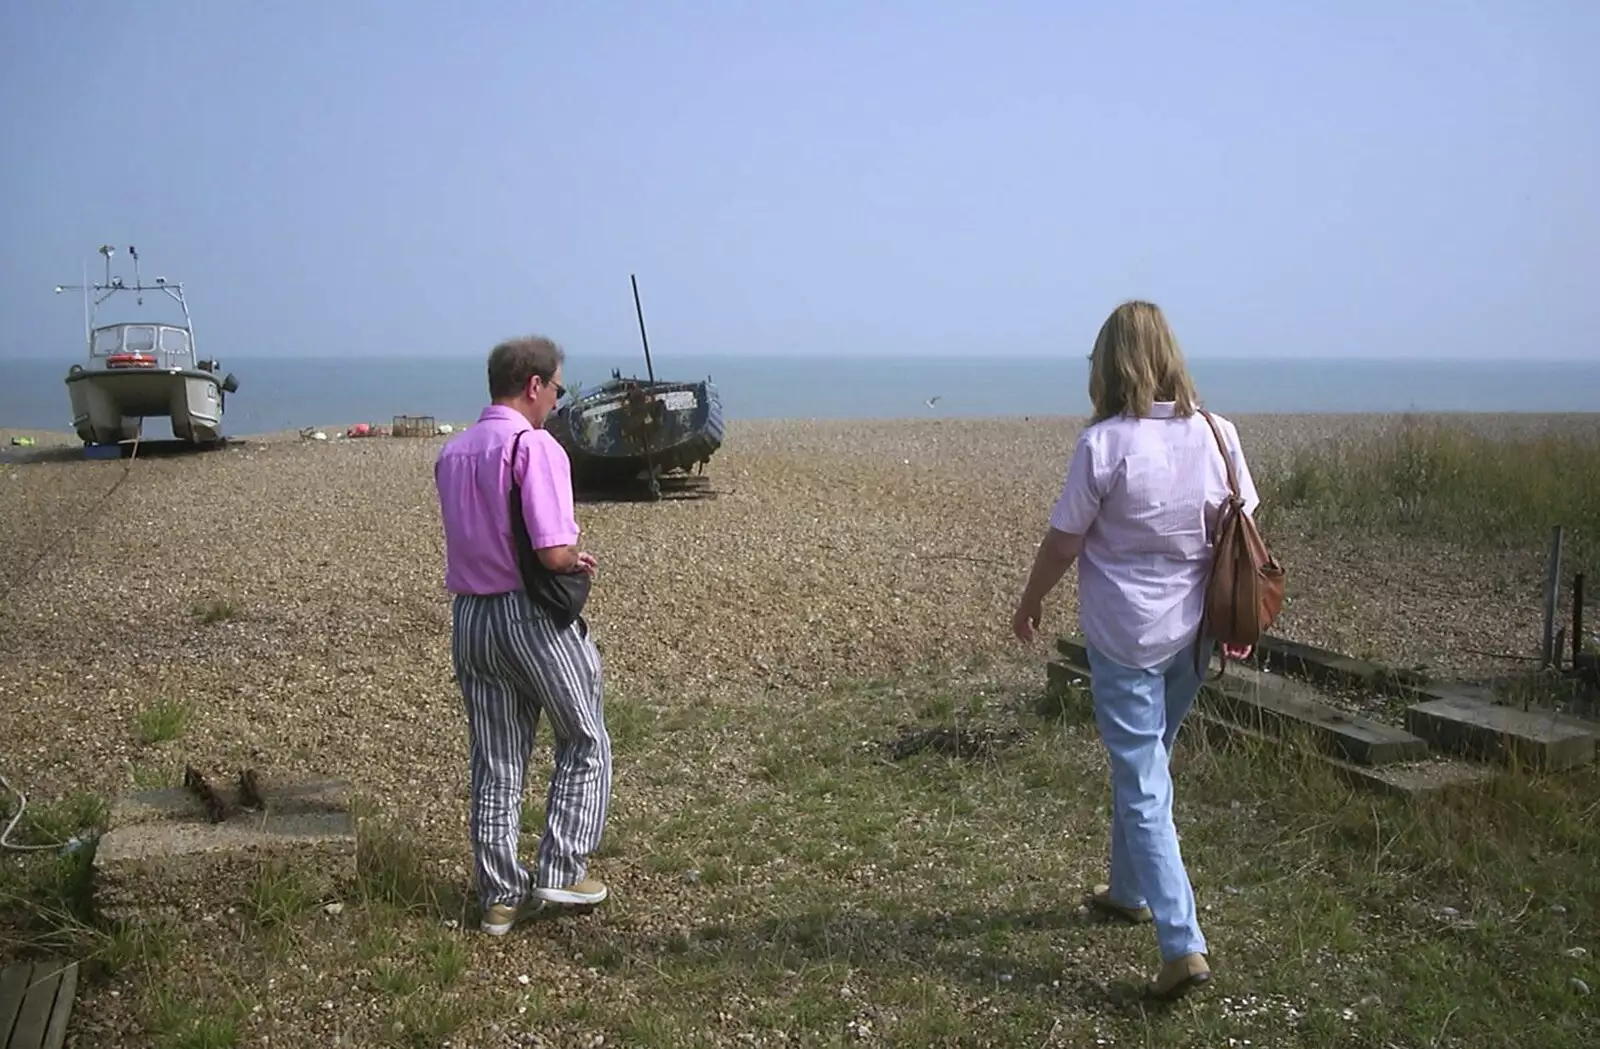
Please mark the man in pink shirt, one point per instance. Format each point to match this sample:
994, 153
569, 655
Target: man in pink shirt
516, 657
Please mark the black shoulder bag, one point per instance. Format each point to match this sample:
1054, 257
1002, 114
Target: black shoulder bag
561, 594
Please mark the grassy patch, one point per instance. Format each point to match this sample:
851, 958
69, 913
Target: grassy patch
779, 875
163, 721
216, 610
1445, 480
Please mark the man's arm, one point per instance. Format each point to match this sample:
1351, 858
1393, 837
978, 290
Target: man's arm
546, 481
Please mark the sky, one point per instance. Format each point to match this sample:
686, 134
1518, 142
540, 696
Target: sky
1332, 179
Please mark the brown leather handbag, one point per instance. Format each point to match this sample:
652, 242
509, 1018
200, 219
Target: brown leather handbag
1244, 588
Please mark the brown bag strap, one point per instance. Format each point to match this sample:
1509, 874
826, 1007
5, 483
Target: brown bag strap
1211, 570
1227, 460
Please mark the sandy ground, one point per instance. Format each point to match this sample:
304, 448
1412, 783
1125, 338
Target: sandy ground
830, 549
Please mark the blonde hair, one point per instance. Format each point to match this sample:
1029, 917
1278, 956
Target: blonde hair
1136, 362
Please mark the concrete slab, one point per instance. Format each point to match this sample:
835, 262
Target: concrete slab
163, 854
1475, 727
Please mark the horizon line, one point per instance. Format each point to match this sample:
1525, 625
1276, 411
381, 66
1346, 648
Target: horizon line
1072, 356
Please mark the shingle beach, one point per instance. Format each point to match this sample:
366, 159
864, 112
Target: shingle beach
830, 549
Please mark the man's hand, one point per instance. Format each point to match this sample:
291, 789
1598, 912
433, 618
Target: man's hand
1236, 652
1025, 620
586, 562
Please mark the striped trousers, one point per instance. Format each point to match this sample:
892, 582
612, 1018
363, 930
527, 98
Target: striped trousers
512, 665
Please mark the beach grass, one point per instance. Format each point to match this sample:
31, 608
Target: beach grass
1447, 479
802, 883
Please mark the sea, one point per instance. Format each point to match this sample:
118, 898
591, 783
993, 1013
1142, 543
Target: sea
283, 393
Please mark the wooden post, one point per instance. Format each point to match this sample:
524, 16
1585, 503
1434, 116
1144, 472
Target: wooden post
1552, 591
1577, 618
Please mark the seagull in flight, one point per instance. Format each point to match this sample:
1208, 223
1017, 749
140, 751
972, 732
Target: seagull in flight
934, 399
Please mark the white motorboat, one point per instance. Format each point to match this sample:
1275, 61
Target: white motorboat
139, 369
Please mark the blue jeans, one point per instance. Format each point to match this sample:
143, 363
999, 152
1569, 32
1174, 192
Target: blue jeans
1138, 711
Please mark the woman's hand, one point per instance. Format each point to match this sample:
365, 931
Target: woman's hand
1236, 652
1026, 620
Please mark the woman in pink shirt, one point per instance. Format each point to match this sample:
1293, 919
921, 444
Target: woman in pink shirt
1138, 512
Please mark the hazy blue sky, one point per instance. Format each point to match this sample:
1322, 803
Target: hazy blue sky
357, 177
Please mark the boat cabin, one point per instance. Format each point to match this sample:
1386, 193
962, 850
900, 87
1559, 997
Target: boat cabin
142, 345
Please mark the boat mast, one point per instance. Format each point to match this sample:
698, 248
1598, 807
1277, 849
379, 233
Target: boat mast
649, 399
639, 310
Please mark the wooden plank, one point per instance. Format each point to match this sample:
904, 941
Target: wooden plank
1473, 727
55, 1035
1406, 780
39, 1001
36, 1002
1328, 667
13, 987
1277, 705
1295, 659
1060, 676
1073, 649
1484, 694
1281, 706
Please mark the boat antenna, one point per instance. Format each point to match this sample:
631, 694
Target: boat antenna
638, 309
649, 462
133, 253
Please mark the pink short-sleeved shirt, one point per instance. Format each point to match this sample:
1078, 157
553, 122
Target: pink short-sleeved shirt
472, 477
1145, 495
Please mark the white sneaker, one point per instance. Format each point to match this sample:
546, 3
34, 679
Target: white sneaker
585, 893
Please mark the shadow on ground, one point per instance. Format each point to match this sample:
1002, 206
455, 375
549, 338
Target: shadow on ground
73, 453
1078, 974
676, 488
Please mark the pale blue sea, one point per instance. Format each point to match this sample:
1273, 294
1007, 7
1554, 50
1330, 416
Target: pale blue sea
283, 393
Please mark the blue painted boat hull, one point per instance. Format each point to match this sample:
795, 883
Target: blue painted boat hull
632, 429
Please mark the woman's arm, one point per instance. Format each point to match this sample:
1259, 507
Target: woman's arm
1055, 555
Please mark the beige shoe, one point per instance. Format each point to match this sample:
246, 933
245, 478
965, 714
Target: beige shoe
498, 918
1101, 900
1180, 976
585, 893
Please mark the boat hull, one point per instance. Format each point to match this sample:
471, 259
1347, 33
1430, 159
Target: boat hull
107, 405
629, 430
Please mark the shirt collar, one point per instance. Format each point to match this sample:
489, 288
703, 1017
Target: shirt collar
501, 413
1163, 410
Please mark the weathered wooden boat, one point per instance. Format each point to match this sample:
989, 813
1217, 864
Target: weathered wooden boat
138, 369
628, 430
633, 430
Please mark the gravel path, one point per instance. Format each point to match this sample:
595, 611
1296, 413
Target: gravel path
831, 549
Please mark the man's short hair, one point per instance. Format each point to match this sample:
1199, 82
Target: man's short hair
515, 361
